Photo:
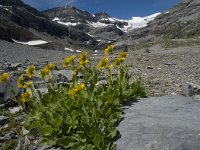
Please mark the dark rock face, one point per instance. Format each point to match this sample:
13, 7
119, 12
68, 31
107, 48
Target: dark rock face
69, 14
181, 21
98, 25
17, 19
161, 123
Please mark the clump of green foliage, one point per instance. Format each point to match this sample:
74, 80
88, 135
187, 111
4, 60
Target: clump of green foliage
84, 114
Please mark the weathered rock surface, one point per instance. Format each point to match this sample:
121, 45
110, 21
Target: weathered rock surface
161, 123
191, 89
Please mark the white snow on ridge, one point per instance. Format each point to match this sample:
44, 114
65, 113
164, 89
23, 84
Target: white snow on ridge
138, 22
31, 43
134, 22
68, 23
111, 19
97, 24
68, 49
58, 20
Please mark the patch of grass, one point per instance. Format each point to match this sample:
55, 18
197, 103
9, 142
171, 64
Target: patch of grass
174, 43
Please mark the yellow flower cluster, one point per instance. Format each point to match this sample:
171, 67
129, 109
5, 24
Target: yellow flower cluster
30, 71
67, 61
44, 72
120, 58
109, 49
76, 89
4, 77
103, 63
22, 84
51, 66
82, 60
25, 96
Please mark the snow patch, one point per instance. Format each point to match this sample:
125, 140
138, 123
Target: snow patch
31, 43
68, 23
137, 22
97, 24
68, 49
56, 19
78, 51
90, 35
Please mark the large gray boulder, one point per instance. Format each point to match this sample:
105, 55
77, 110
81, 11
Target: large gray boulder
161, 123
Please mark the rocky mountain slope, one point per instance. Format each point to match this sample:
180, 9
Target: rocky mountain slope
181, 21
21, 22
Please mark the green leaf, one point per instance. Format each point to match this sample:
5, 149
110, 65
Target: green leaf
97, 140
45, 130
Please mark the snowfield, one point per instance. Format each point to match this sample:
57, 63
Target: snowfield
31, 43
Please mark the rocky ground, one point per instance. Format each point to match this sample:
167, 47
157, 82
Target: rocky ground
163, 72
166, 71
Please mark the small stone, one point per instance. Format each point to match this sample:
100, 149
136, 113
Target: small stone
14, 110
169, 64
190, 89
147, 50
150, 68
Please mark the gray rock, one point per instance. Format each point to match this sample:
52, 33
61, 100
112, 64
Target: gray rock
14, 110
190, 89
13, 67
161, 123
3, 120
149, 68
64, 74
9, 89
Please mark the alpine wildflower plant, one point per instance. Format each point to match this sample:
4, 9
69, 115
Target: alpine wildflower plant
109, 49
30, 71
84, 113
103, 63
25, 96
67, 61
83, 60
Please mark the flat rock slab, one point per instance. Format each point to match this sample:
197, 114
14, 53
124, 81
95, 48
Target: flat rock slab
161, 123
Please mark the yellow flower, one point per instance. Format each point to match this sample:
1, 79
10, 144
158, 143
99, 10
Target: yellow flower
20, 82
123, 55
111, 66
4, 77
25, 96
67, 61
30, 71
118, 61
103, 63
51, 66
27, 84
82, 60
44, 72
109, 49
76, 89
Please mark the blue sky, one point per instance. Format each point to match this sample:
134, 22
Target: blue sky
123, 9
